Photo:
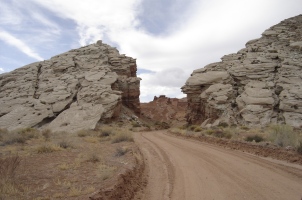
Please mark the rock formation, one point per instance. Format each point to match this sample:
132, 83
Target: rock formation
258, 85
164, 109
71, 91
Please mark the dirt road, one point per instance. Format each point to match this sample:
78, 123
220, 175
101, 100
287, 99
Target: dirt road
181, 169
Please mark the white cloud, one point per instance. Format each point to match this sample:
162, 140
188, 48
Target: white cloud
13, 41
94, 17
205, 32
9, 15
1, 70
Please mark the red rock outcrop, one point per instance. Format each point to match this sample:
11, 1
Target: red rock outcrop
164, 109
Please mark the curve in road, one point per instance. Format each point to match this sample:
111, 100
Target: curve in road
181, 169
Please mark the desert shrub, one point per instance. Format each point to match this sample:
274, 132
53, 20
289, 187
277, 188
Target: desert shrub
12, 138
82, 133
46, 134
119, 151
283, 135
244, 128
256, 138
198, 129
192, 127
105, 132
93, 158
222, 134
121, 137
210, 131
8, 167
135, 124
47, 148
223, 124
65, 144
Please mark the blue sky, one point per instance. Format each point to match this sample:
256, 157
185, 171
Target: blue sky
169, 38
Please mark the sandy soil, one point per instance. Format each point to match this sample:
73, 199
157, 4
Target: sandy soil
181, 169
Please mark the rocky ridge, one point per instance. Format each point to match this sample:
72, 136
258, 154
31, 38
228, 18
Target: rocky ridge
71, 91
165, 109
258, 85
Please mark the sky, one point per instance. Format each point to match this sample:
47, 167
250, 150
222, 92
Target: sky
169, 38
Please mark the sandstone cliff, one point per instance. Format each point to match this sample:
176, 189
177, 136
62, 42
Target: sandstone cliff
258, 85
71, 91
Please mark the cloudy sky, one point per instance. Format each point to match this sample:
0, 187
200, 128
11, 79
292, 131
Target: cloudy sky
169, 38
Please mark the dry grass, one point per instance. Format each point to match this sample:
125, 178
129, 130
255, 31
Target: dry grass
122, 136
48, 148
105, 172
283, 135
93, 158
91, 139
71, 160
8, 167
120, 151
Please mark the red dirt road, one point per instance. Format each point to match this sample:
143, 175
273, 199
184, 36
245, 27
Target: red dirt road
181, 169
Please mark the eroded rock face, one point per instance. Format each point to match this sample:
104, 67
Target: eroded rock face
165, 109
258, 85
71, 91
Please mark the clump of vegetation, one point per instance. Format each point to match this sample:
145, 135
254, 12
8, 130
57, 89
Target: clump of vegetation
210, 131
222, 134
46, 134
65, 144
223, 124
136, 124
283, 135
18, 136
8, 167
85, 133
198, 129
93, 158
244, 128
256, 138
161, 125
47, 149
106, 131
105, 171
119, 151
121, 137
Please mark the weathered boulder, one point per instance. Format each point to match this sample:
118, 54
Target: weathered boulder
258, 85
71, 91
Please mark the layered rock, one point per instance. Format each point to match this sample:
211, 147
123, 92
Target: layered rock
165, 109
71, 91
258, 85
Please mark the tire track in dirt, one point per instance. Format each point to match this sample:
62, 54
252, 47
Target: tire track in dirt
183, 169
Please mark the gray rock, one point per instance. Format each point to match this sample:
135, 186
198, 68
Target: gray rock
258, 85
71, 91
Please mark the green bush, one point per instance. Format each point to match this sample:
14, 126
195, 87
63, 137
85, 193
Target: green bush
256, 138
283, 135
